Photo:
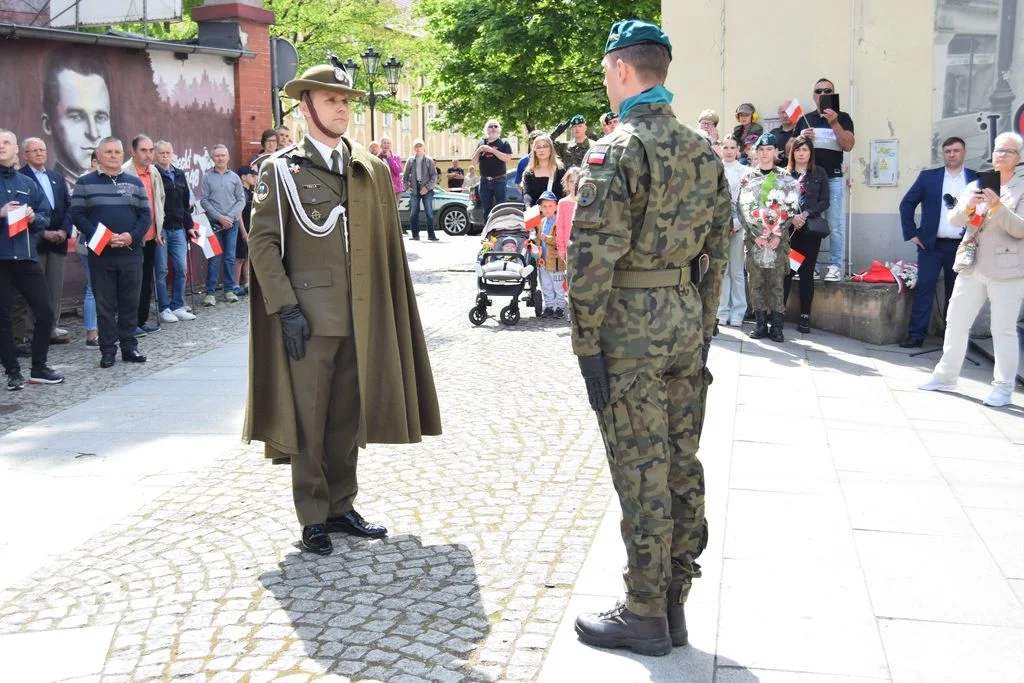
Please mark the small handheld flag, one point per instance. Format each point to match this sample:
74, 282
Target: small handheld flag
794, 111
17, 220
796, 259
207, 241
532, 216
100, 239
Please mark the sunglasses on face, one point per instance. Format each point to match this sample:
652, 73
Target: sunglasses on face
492, 126
823, 91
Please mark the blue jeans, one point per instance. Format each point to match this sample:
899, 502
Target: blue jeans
836, 217
930, 263
491, 192
89, 305
175, 247
414, 214
226, 261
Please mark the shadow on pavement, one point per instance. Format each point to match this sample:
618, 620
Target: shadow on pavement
385, 609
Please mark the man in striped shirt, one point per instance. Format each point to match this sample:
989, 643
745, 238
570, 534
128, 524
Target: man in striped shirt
118, 202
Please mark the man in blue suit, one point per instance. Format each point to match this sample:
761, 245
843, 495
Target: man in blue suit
936, 190
53, 241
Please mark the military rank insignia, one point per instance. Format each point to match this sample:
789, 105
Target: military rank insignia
587, 194
262, 192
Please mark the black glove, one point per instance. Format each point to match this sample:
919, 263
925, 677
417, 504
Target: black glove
296, 331
595, 374
704, 352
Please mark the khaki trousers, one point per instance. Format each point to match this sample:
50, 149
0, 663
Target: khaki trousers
326, 388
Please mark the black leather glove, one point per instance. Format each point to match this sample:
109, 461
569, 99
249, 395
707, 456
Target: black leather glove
295, 329
595, 375
704, 353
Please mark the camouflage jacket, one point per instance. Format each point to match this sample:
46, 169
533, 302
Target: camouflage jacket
573, 153
683, 184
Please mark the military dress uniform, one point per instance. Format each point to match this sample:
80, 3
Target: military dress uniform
653, 203
330, 258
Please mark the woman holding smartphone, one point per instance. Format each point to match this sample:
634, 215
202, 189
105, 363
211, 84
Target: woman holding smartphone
990, 262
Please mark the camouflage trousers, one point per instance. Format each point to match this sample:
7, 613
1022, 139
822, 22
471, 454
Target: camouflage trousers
766, 283
651, 429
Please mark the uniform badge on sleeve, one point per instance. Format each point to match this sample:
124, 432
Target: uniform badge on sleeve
587, 194
596, 158
262, 192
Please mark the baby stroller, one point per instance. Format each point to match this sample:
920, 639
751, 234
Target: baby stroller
507, 265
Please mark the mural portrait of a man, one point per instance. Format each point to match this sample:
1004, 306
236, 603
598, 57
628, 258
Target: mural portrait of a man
76, 108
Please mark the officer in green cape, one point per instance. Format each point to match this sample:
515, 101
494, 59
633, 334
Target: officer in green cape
337, 355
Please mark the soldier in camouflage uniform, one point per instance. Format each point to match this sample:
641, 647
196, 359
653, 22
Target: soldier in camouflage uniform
572, 153
653, 215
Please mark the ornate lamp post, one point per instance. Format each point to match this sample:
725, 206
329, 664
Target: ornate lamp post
372, 64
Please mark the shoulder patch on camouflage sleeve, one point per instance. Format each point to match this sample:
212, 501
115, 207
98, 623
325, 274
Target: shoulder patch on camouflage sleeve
587, 194
597, 155
262, 192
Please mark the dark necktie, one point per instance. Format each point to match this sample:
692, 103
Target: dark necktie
336, 162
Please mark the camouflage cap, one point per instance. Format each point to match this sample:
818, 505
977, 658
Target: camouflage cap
322, 77
635, 32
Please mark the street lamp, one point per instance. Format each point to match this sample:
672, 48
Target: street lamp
371, 64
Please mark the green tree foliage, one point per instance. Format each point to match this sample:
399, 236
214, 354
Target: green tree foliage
346, 28
529, 64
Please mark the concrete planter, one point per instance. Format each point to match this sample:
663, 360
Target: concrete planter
871, 313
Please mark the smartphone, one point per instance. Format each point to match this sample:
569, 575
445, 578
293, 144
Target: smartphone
829, 102
990, 180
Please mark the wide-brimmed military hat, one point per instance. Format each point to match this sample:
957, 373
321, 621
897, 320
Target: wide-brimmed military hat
635, 32
322, 77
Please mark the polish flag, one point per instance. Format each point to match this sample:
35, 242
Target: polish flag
794, 111
532, 216
17, 220
796, 259
100, 239
207, 241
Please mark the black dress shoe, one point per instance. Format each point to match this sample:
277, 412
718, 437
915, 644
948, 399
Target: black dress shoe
676, 616
353, 523
619, 627
107, 360
316, 540
911, 343
132, 356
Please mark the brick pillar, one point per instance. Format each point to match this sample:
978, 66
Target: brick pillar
253, 111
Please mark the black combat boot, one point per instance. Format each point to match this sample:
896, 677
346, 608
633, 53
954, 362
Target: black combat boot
804, 326
676, 616
619, 627
760, 330
775, 334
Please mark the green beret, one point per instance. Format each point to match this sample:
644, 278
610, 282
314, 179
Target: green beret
634, 32
766, 140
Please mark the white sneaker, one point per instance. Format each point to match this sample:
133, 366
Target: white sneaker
833, 274
935, 385
997, 399
183, 314
167, 317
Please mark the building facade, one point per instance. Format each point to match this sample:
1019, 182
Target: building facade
909, 73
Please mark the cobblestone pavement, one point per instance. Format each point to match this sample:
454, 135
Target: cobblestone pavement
489, 523
83, 377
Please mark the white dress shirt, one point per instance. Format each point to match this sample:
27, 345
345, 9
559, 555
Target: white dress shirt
326, 152
954, 185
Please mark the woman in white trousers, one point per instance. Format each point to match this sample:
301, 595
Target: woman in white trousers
996, 222
733, 305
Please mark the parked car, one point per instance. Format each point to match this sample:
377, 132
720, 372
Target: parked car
451, 212
476, 212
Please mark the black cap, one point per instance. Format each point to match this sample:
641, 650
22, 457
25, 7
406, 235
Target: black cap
246, 170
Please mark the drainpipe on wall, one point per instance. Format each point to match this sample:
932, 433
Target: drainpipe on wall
852, 99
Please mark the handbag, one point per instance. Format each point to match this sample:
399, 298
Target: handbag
816, 225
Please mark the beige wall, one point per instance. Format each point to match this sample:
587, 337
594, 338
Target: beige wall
745, 54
